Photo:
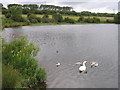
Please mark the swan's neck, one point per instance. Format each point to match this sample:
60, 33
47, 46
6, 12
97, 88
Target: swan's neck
84, 64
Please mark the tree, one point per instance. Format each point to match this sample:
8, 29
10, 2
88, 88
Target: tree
45, 19
53, 7
16, 5
25, 10
68, 20
96, 20
32, 18
117, 18
57, 18
81, 19
16, 13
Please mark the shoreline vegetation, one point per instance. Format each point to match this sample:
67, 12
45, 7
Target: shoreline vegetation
19, 67
10, 23
32, 14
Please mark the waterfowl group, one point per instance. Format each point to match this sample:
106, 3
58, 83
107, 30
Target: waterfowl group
83, 67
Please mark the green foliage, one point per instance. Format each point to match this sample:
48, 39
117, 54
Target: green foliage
69, 20
53, 7
8, 15
33, 19
39, 19
16, 13
40, 73
11, 78
13, 5
117, 18
89, 20
57, 18
21, 57
31, 6
25, 11
45, 19
81, 19
109, 21
96, 20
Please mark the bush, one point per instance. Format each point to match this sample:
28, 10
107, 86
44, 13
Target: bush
57, 18
16, 14
21, 57
40, 74
45, 19
32, 18
39, 19
68, 20
33, 21
109, 21
11, 78
96, 20
88, 20
8, 15
81, 19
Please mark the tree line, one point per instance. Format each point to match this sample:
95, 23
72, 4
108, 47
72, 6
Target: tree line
52, 9
13, 17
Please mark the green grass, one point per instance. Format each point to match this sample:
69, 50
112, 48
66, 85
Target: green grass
76, 17
15, 24
71, 16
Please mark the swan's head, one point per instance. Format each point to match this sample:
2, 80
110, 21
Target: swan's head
84, 62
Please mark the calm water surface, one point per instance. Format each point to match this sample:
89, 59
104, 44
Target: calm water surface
98, 42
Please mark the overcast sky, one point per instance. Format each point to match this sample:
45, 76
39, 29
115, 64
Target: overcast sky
109, 6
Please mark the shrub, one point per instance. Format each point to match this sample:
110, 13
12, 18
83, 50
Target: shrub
88, 20
40, 74
21, 57
11, 78
32, 18
96, 20
39, 19
68, 20
8, 15
16, 14
33, 21
45, 19
57, 18
109, 21
81, 19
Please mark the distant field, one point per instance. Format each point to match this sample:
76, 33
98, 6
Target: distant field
72, 17
75, 17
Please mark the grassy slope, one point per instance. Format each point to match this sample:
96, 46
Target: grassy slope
75, 17
64, 16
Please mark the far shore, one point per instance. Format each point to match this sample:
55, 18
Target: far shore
47, 24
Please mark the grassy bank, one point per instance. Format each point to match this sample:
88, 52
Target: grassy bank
45, 24
76, 17
6, 22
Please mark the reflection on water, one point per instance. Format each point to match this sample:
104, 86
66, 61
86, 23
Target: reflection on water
69, 44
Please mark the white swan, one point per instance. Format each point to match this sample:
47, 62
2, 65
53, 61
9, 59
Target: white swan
58, 64
83, 67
